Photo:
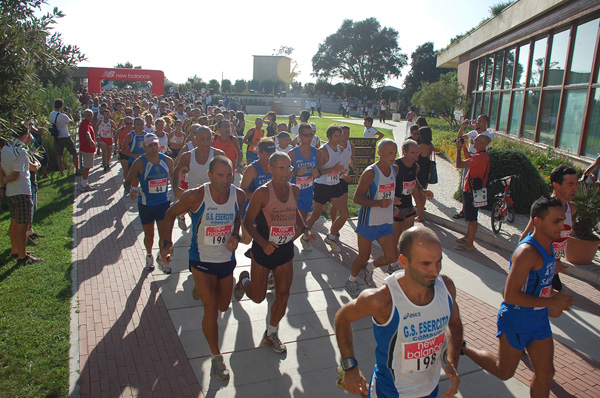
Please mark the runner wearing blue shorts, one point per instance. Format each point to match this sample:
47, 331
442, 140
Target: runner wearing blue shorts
523, 322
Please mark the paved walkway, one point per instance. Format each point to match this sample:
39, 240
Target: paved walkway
140, 334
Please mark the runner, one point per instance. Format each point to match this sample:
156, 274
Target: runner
413, 313
347, 149
120, 136
163, 138
215, 208
305, 161
228, 143
151, 172
328, 187
406, 182
375, 196
253, 136
133, 144
177, 138
106, 129
278, 223
523, 322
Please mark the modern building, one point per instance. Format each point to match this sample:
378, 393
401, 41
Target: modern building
272, 67
534, 70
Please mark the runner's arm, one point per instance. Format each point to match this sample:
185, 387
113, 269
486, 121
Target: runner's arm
125, 147
258, 201
363, 186
247, 178
184, 161
454, 333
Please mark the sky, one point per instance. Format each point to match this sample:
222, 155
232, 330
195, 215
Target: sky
212, 39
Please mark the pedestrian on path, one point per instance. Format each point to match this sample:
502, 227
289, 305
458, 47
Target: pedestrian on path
215, 211
523, 322
408, 357
278, 224
149, 175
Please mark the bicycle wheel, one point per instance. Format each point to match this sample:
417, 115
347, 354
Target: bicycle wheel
496, 218
510, 214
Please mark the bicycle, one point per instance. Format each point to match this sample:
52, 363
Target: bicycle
503, 209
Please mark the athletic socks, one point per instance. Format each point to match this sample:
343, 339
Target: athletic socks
352, 278
370, 266
271, 330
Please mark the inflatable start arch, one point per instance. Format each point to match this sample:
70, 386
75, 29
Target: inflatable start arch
96, 75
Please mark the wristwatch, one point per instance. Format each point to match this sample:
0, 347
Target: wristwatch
349, 363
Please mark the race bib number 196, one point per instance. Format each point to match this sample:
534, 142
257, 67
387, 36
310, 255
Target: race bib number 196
217, 235
281, 235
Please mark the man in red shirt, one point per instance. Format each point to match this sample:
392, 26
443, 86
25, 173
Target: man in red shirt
87, 147
479, 170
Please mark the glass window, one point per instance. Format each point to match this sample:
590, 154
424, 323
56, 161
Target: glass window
489, 70
558, 58
498, 70
515, 115
550, 104
476, 106
485, 102
480, 74
537, 62
470, 115
521, 72
504, 105
583, 52
532, 102
509, 69
572, 118
494, 110
592, 145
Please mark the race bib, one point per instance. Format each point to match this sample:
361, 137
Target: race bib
185, 182
105, 133
304, 182
560, 245
333, 177
217, 234
420, 355
282, 235
385, 191
479, 197
157, 186
408, 187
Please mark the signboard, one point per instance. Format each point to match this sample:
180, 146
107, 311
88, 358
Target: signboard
364, 155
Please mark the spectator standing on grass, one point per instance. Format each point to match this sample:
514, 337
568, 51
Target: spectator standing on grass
370, 131
63, 139
87, 148
15, 184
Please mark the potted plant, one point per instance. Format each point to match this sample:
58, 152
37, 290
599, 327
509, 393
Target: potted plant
583, 242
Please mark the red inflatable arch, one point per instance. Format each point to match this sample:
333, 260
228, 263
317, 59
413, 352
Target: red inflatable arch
95, 75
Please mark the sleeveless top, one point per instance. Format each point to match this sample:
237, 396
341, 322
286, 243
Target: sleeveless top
346, 155
154, 182
520, 319
276, 222
136, 145
212, 225
256, 136
560, 244
105, 129
262, 177
304, 181
198, 173
163, 143
332, 178
227, 147
424, 169
177, 139
409, 344
406, 182
382, 187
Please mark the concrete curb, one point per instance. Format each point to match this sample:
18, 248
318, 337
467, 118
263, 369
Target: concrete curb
577, 271
74, 369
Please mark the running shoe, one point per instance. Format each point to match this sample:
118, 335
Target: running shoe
273, 341
352, 288
162, 265
35, 235
271, 281
239, 291
149, 262
335, 247
305, 244
31, 242
393, 267
219, 368
181, 222
28, 260
195, 293
368, 276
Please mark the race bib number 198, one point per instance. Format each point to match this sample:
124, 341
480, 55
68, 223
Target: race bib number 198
420, 355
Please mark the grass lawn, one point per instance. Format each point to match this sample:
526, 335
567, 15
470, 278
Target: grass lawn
35, 300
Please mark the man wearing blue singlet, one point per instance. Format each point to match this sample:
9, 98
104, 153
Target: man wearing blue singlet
133, 144
149, 175
305, 162
523, 322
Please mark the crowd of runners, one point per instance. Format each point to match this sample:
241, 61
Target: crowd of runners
266, 184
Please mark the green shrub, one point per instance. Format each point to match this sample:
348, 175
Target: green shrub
524, 190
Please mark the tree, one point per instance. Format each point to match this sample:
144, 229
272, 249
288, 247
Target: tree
253, 85
240, 86
423, 69
32, 57
444, 96
195, 83
361, 52
287, 51
213, 85
226, 86
323, 86
266, 86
